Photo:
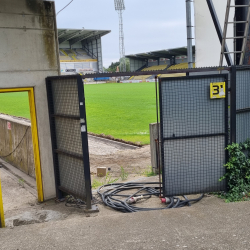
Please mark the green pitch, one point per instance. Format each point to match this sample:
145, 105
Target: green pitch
122, 110
16, 104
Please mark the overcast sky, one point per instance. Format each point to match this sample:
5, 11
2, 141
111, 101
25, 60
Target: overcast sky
148, 24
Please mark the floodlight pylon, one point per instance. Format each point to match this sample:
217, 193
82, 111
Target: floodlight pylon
120, 7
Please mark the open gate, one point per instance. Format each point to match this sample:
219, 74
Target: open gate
69, 136
194, 133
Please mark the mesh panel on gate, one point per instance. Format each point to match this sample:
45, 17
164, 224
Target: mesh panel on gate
194, 165
194, 134
188, 110
242, 104
68, 135
65, 94
72, 175
242, 126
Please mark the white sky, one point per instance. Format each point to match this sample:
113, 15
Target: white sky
148, 24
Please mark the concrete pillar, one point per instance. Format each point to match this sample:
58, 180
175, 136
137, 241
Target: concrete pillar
28, 54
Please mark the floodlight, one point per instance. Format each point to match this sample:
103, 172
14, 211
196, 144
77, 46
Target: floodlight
119, 5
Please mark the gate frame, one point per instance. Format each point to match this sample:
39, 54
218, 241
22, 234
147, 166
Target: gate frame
35, 141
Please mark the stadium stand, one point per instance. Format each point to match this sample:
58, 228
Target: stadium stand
65, 58
175, 58
81, 54
143, 78
74, 55
80, 50
162, 67
177, 66
63, 55
158, 67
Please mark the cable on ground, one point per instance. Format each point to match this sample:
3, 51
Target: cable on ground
71, 201
111, 196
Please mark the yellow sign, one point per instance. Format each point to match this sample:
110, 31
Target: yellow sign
217, 90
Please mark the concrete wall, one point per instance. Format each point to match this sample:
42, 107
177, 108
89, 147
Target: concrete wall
12, 132
28, 54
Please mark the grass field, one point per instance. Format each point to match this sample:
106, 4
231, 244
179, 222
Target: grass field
16, 104
123, 110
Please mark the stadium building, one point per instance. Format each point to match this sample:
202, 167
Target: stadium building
80, 50
175, 58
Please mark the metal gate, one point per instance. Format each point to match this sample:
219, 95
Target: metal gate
194, 134
240, 103
69, 136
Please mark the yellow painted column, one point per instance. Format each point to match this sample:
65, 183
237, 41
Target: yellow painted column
2, 223
34, 132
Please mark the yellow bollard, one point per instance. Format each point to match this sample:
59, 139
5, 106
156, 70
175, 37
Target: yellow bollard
2, 223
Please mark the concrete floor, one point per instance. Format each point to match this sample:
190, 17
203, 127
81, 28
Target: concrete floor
15, 195
208, 224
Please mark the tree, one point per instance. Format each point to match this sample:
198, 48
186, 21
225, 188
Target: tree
113, 66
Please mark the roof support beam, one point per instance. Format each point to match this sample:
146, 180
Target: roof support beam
135, 58
69, 36
61, 33
160, 55
97, 36
80, 38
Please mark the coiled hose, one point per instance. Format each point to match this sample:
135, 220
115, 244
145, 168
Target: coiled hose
111, 196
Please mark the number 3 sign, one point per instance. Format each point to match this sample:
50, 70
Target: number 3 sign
217, 90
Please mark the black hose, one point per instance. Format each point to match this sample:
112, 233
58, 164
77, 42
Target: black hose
110, 193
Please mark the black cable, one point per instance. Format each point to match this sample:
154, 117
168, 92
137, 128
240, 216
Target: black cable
65, 7
71, 201
4, 156
108, 193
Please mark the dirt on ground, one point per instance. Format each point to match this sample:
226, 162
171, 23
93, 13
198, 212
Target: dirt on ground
120, 160
124, 163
